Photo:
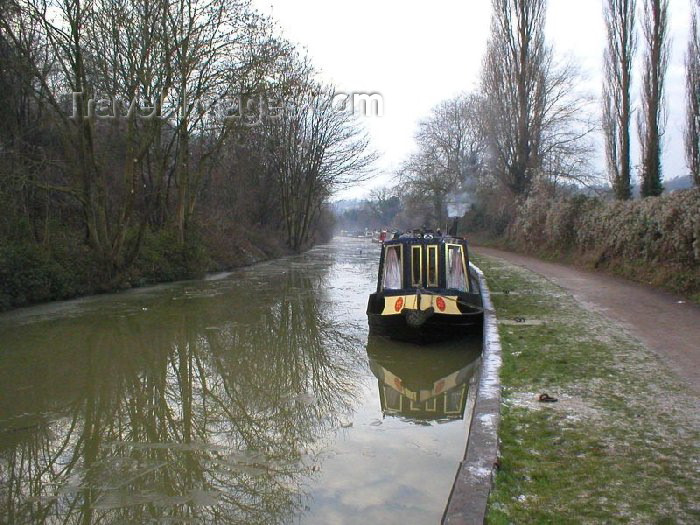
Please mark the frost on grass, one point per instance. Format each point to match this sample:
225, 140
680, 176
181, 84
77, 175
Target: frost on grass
621, 444
569, 407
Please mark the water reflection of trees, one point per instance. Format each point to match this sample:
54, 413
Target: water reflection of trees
206, 410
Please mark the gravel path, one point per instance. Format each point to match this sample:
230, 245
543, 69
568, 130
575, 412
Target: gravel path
667, 324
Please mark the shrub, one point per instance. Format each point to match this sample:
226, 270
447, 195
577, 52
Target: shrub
626, 236
29, 274
161, 258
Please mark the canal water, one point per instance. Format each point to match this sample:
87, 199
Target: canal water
254, 398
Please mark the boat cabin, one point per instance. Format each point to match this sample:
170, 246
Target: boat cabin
424, 263
426, 290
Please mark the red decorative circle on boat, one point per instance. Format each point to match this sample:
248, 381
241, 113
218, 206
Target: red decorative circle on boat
440, 302
398, 305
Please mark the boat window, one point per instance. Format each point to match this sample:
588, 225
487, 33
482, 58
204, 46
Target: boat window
454, 401
393, 399
392, 268
456, 270
416, 266
433, 266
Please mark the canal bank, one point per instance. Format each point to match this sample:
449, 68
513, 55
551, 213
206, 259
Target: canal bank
32, 275
621, 441
474, 479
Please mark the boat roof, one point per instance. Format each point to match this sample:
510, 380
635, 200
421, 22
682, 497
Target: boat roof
425, 240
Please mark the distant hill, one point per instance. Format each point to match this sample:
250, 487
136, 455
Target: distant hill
604, 190
679, 183
340, 207
670, 185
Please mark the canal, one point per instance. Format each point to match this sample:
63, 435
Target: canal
252, 397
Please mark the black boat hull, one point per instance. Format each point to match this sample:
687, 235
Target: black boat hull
437, 327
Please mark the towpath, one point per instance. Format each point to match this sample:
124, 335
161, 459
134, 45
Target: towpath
667, 324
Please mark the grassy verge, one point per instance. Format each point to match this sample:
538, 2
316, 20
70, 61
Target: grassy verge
621, 445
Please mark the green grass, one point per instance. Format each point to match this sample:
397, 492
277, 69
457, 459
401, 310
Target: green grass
621, 445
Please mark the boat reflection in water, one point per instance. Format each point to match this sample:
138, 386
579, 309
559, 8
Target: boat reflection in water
424, 384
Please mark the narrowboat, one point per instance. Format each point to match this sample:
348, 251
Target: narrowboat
426, 290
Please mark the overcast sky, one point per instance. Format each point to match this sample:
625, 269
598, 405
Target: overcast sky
417, 53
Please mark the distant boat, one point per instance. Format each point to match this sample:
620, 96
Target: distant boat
426, 291
379, 237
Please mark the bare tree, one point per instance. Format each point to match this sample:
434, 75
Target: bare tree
568, 122
178, 59
421, 178
535, 119
452, 132
692, 65
66, 37
514, 86
316, 147
131, 53
617, 104
129, 136
450, 153
651, 121
216, 43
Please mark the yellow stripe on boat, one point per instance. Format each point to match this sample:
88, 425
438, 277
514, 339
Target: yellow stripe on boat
440, 386
396, 304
